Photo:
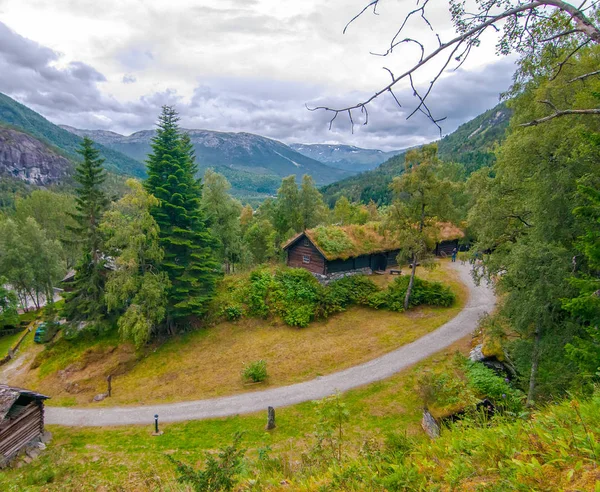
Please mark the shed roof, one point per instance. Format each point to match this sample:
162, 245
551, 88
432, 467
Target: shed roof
9, 395
350, 241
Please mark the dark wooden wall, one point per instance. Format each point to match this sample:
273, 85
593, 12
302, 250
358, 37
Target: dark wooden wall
445, 248
296, 253
20, 429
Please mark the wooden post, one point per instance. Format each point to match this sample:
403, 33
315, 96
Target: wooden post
270, 418
109, 381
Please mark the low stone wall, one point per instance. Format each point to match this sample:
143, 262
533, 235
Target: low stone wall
331, 277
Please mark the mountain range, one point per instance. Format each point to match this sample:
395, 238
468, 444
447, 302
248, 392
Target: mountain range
345, 157
253, 164
35, 151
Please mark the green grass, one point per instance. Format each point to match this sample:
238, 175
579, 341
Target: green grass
131, 458
555, 449
8, 342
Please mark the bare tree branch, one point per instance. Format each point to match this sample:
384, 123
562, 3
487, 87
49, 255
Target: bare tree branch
560, 113
520, 34
584, 76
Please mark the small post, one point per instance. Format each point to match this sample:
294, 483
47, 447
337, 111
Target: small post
109, 381
156, 431
270, 418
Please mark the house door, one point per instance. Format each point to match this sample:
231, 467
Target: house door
379, 262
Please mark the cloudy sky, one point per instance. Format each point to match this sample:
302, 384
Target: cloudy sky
233, 65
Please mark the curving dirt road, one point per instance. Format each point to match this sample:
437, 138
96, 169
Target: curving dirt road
481, 300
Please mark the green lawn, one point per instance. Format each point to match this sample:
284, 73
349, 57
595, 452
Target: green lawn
130, 458
7, 342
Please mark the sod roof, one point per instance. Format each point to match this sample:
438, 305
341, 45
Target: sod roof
343, 242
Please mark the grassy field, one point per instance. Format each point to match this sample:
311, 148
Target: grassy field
132, 459
208, 363
554, 449
7, 342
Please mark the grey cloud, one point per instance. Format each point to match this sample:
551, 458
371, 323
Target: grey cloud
134, 58
273, 108
27, 72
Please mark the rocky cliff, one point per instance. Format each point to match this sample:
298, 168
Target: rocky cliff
26, 158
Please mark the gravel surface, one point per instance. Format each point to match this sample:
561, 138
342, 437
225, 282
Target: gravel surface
481, 301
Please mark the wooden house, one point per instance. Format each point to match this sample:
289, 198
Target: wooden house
21, 420
337, 249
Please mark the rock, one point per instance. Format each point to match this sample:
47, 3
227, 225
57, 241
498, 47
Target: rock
100, 397
41, 446
33, 453
476, 354
27, 459
72, 387
46, 437
28, 159
430, 425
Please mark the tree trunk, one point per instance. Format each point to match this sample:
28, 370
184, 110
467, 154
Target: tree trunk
410, 282
535, 360
414, 261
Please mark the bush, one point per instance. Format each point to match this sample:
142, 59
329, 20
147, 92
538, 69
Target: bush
260, 283
221, 473
233, 313
354, 289
294, 296
423, 292
488, 384
256, 371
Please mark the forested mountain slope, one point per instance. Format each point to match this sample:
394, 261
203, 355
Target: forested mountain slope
21, 118
470, 145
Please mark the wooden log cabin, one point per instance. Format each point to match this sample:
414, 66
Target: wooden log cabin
337, 249
21, 420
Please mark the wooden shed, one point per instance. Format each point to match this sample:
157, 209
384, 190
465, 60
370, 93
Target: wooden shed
21, 420
449, 237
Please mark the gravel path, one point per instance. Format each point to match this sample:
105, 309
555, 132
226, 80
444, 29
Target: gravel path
481, 300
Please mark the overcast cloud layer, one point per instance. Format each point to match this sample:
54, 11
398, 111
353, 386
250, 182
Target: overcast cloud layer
242, 66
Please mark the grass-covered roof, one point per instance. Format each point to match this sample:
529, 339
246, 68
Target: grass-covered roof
350, 241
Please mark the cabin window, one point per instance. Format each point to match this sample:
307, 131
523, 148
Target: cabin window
306, 259
306, 243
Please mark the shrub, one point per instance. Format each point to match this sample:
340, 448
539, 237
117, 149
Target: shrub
488, 384
294, 296
423, 292
260, 282
233, 313
354, 289
221, 471
255, 371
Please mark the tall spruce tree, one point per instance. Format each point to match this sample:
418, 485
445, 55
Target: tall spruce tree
189, 261
85, 301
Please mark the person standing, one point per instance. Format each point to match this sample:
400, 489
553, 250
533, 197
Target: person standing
454, 252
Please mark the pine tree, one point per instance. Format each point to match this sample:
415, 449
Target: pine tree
85, 301
188, 245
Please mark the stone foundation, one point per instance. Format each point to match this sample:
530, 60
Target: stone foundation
331, 277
